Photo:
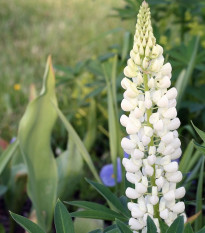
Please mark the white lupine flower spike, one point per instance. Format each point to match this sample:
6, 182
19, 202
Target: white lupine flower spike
151, 121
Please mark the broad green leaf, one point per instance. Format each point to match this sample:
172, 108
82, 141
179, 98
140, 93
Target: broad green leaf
151, 228
34, 139
94, 214
200, 132
124, 228
107, 229
200, 147
116, 230
27, 224
188, 228
62, 219
183, 79
110, 76
97, 207
7, 155
70, 164
163, 226
186, 157
110, 197
96, 231
88, 225
202, 230
177, 226
199, 196
78, 143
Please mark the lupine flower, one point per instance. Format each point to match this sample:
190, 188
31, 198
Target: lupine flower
152, 125
107, 174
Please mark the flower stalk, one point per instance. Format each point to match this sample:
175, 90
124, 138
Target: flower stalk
151, 124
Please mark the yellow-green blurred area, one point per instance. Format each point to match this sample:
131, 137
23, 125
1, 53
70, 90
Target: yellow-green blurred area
76, 30
70, 30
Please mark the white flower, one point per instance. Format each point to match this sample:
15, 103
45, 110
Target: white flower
152, 125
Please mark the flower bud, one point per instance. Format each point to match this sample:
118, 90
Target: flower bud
171, 167
174, 124
130, 166
167, 138
125, 83
129, 72
151, 159
164, 214
149, 170
170, 113
177, 154
171, 93
160, 182
178, 207
180, 192
131, 193
164, 82
140, 188
174, 177
163, 102
126, 105
154, 200
135, 224
169, 196
133, 177
127, 144
124, 120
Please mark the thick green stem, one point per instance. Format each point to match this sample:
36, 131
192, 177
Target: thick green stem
149, 113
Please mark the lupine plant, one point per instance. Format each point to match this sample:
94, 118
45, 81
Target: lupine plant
152, 202
152, 124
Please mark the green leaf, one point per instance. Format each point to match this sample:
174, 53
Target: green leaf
70, 169
34, 139
7, 155
94, 214
96, 231
62, 219
199, 147
95, 206
163, 226
124, 228
177, 226
88, 225
199, 197
110, 197
26, 224
188, 228
151, 228
184, 77
110, 76
202, 230
125, 47
116, 230
200, 132
78, 143
185, 160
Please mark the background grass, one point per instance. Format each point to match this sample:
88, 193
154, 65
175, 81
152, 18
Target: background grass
30, 30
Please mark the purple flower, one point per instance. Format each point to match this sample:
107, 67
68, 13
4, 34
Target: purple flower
126, 155
13, 140
107, 174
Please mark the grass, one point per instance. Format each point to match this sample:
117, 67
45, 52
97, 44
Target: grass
30, 30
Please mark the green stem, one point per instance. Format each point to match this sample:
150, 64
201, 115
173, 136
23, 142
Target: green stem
152, 179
